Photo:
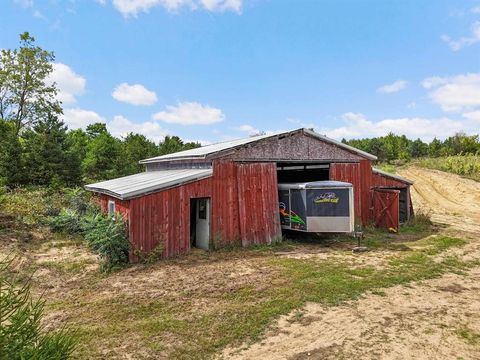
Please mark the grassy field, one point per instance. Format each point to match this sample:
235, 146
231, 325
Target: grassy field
464, 165
196, 305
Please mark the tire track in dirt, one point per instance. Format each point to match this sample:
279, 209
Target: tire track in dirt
448, 198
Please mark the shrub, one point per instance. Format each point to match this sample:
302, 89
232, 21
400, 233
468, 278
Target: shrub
21, 334
108, 237
67, 221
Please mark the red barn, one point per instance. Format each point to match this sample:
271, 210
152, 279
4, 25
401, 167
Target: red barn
227, 193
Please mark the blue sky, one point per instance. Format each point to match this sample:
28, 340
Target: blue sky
212, 70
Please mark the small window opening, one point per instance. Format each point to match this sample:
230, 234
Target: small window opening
202, 209
111, 207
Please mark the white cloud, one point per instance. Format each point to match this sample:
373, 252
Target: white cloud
68, 82
134, 94
120, 126
456, 93
393, 87
475, 10
190, 113
463, 41
133, 7
358, 126
473, 115
222, 5
249, 129
76, 118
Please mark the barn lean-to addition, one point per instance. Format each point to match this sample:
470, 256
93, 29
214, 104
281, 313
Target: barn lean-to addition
227, 193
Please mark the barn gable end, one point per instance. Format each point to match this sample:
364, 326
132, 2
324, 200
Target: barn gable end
296, 146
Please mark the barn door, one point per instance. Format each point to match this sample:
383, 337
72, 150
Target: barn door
386, 212
202, 236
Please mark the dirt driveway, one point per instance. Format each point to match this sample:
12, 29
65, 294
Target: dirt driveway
435, 319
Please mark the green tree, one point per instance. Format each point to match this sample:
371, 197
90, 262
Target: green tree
418, 148
48, 154
96, 129
21, 334
11, 161
136, 147
103, 158
434, 148
78, 140
172, 144
26, 95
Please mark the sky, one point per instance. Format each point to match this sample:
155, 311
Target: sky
214, 70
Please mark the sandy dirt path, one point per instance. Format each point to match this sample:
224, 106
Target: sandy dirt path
450, 199
422, 321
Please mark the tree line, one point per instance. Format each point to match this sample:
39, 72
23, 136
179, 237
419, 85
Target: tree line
37, 148
393, 147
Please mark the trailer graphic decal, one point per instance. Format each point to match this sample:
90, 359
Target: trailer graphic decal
294, 218
327, 197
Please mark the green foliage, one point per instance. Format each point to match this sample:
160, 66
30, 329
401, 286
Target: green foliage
102, 157
11, 162
107, 236
136, 147
67, 221
48, 154
172, 144
26, 97
465, 165
392, 147
21, 333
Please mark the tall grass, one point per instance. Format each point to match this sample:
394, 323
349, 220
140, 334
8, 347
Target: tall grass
464, 165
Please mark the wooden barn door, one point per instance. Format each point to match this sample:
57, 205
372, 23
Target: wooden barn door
386, 211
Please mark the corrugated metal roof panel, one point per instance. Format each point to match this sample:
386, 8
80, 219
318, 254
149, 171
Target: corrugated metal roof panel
393, 176
128, 187
203, 151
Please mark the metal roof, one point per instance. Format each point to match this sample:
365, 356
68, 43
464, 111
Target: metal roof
202, 152
128, 187
393, 176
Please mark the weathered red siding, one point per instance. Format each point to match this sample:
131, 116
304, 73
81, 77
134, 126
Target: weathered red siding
383, 181
258, 203
244, 210
121, 206
164, 218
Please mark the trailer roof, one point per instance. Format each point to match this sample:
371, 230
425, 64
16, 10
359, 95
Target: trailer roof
128, 187
327, 184
204, 151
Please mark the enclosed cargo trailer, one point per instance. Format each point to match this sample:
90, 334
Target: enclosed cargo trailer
320, 206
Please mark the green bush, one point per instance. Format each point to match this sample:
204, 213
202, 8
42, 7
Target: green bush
21, 333
67, 221
107, 236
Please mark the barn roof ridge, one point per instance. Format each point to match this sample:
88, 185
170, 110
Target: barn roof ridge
204, 151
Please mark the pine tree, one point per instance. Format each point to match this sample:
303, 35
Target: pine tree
48, 154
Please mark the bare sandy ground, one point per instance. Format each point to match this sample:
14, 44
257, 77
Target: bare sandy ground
434, 319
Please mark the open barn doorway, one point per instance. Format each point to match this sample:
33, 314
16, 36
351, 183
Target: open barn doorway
302, 172
200, 223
